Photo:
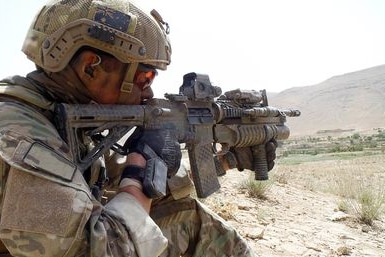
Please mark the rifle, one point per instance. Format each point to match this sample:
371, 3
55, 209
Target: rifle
200, 116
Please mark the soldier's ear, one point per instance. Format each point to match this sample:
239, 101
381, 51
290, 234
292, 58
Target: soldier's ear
86, 64
91, 60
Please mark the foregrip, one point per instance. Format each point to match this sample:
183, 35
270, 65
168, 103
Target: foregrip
260, 162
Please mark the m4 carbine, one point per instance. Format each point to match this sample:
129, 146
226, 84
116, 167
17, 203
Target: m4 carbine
200, 116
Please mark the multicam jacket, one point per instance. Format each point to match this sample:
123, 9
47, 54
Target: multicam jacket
47, 208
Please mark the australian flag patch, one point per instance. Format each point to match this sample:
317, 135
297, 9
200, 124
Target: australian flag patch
112, 18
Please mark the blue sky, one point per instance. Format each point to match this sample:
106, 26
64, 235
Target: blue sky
270, 44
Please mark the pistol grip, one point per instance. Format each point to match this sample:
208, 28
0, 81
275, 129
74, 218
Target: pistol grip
203, 168
260, 162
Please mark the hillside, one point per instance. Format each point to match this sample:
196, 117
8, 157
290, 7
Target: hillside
352, 101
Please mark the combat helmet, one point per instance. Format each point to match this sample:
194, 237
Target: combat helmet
118, 27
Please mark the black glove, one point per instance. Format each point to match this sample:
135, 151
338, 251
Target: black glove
162, 142
245, 160
270, 148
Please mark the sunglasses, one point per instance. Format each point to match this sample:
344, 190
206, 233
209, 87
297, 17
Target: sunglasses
144, 76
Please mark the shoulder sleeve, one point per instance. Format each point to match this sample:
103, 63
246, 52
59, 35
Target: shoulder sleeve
22, 125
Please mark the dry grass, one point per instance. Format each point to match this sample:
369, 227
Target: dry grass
255, 188
368, 205
358, 181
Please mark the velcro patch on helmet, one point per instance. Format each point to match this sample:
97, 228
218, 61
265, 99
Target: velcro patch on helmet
112, 18
100, 33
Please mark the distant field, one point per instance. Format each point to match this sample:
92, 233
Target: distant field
332, 147
350, 167
321, 160
326, 172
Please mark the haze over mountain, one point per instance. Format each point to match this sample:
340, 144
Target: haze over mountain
352, 101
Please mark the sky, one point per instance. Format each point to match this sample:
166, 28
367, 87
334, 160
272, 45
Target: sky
247, 44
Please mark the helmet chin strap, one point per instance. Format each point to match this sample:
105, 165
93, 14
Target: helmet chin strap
128, 82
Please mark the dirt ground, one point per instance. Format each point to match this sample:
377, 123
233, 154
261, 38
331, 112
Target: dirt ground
295, 220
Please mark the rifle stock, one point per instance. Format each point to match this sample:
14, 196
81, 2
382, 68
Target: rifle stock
235, 119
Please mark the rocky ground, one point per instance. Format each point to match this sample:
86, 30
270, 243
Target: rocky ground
295, 220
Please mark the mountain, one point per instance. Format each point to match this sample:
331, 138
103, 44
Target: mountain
353, 101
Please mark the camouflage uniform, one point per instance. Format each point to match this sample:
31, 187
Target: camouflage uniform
47, 208
192, 229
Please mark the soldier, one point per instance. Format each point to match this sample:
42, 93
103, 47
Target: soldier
88, 52
97, 52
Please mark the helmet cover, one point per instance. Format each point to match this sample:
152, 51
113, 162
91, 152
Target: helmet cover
117, 27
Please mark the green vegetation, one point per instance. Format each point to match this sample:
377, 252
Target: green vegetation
332, 148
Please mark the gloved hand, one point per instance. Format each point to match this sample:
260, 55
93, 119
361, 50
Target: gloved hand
244, 156
162, 142
270, 148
